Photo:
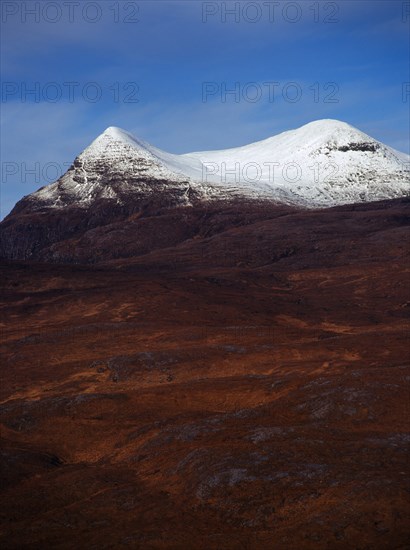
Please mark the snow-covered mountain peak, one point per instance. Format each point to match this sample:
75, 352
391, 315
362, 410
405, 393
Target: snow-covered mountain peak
330, 129
114, 165
328, 125
110, 141
336, 135
116, 133
326, 134
323, 163
119, 148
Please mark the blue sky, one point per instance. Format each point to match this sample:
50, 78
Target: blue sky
347, 60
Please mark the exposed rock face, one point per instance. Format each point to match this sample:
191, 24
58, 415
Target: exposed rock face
370, 147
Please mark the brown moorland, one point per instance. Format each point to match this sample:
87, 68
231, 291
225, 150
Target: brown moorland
243, 388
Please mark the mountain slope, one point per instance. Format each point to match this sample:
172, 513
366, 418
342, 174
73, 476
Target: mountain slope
120, 183
114, 165
323, 163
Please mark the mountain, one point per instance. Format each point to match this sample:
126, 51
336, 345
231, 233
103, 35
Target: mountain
220, 370
122, 180
324, 163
